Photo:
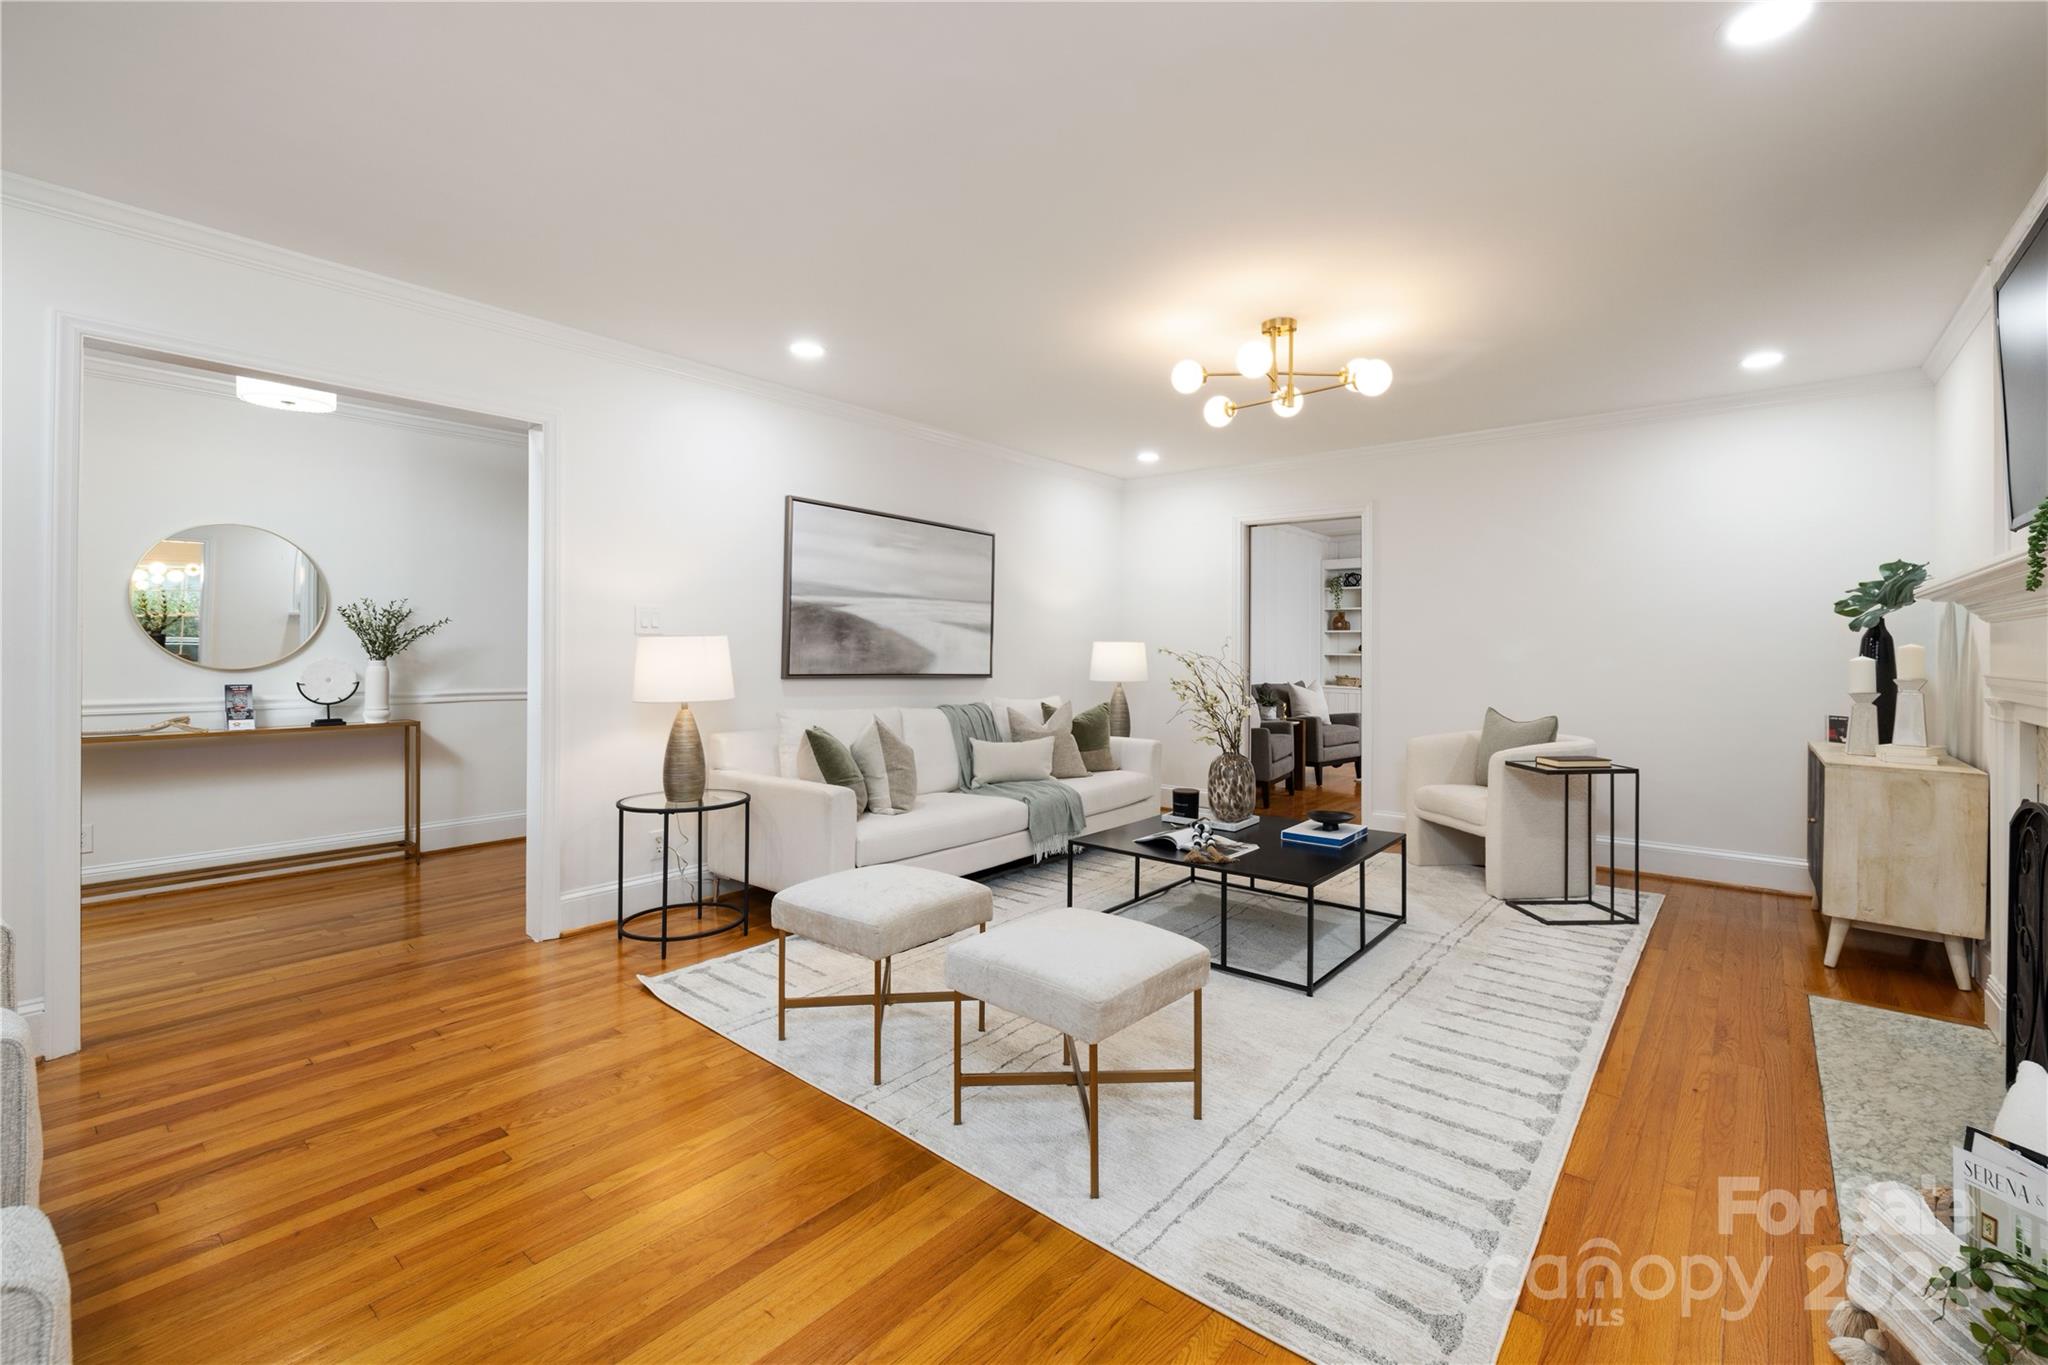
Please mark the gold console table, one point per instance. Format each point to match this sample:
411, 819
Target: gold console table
407, 846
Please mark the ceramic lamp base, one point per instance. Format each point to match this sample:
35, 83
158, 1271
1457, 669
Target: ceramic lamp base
682, 771
1119, 712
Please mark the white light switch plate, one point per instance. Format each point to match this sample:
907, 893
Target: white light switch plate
647, 620
85, 838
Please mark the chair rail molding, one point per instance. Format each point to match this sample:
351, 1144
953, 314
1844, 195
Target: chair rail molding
287, 701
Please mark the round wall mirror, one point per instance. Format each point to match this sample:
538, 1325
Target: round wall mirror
228, 597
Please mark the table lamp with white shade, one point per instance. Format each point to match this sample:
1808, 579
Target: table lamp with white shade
1119, 662
681, 669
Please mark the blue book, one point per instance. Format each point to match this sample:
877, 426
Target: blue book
1315, 836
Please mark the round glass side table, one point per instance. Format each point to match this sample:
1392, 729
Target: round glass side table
728, 917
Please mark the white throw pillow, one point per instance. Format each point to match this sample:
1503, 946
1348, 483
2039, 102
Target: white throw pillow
2023, 1118
1309, 700
1000, 706
1025, 761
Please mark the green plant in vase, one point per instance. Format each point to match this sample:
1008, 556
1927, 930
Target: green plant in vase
384, 634
2037, 547
1216, 696
1866, 606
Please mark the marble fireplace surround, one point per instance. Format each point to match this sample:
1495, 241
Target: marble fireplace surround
1997, 670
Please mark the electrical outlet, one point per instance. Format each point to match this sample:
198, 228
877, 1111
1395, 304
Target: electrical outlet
646, 620
85, 838
654, 846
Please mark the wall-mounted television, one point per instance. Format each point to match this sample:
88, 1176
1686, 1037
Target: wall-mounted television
2022, 304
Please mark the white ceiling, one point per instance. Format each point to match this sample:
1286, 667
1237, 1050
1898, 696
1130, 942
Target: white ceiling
1010, 220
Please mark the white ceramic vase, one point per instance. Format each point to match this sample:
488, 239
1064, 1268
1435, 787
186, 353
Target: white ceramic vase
376, 692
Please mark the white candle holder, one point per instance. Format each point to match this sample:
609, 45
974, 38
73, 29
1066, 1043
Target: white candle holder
1909, 728
1863, 724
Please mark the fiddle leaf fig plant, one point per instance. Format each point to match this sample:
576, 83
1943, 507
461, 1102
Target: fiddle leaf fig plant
1873, 599
2037, 547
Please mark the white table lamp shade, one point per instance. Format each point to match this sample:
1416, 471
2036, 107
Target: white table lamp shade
1117, 661
682, 668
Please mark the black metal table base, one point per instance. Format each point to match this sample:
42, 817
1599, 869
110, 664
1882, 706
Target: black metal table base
1250, 886
742, 914
1530, 905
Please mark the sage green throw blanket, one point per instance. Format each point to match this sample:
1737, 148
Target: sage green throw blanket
1052, 810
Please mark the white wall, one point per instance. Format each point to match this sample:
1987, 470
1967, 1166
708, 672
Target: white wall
387, 504
671, 484
1286, 604
1661, 581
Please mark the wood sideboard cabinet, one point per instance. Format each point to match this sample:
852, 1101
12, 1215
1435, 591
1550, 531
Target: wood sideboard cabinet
1899, 848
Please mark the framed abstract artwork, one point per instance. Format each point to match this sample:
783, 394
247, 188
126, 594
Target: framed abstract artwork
875, 595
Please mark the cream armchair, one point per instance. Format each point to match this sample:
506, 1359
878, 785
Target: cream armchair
1512, 825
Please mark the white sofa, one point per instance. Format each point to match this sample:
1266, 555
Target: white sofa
803, 828
1512, 825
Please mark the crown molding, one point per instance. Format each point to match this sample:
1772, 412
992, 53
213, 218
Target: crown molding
1978, 301
149, 374
1882, 382
109, 215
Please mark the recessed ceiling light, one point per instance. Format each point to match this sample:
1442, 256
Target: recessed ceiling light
268, 393
1148, 457
807, 349
1763, 360
1765, 22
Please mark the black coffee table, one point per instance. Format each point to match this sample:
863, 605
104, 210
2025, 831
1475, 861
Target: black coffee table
1273, 862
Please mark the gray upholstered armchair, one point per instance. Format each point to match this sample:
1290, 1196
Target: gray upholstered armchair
1334, 742
1273, 758
35, 1293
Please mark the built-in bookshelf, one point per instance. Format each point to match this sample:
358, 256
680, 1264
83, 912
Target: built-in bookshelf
1344, 650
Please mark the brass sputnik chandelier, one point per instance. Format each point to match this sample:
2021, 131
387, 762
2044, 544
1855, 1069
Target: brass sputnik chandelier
1270, 356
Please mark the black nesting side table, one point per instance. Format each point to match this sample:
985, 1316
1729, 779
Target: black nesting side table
1530, 905
714, 799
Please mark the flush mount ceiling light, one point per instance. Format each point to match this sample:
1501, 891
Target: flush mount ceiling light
268, 393
1763, 360
1270, 356
1148, 457
1765, 22
806, 349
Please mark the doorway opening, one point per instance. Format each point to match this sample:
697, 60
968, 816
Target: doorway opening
1308, 643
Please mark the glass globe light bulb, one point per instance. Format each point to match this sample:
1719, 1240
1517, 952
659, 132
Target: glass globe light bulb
1288, 403
139, 577
1369, 377
1188, 376
1218, 411
175, 577
191, 571
1255, 358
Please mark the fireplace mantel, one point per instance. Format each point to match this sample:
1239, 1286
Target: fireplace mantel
1995, 592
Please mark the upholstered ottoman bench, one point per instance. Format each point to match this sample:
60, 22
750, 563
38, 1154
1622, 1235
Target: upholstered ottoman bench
875, 913
1088, 975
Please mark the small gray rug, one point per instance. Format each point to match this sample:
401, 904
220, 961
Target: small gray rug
1897, 1090
1374, 1163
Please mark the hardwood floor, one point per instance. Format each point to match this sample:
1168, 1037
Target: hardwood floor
356, 1113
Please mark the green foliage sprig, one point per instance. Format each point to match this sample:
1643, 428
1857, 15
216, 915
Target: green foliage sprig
1335, 583
153, 615
1215, 695
1871, 600
2037, 547
383, 630
2016, 1321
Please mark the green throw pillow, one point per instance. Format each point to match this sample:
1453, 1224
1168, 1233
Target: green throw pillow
1501, 733
1091, 733
837, 766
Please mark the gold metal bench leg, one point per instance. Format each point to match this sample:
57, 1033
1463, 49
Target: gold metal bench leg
1198, 1053
956, 1061
1094, 1129
781, 988
878, 1020
981, 1006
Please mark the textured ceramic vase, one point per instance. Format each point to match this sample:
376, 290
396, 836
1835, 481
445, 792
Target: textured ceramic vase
376, 692
1230, 787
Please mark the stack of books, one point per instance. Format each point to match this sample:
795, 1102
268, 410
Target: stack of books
1312, 835
1568, 763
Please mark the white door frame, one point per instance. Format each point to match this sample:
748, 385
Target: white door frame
60, 1029
1369, 561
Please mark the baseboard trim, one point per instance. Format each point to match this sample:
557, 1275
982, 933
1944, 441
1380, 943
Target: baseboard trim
31, 1012
589, 906
1686, 862
434, 836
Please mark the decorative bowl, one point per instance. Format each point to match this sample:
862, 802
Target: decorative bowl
1329, 819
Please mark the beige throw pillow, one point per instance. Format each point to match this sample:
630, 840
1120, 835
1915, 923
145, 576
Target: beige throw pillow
1026, 761
889, 767
1058, 727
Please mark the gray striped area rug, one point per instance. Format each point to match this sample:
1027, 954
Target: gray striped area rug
1373, 1163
